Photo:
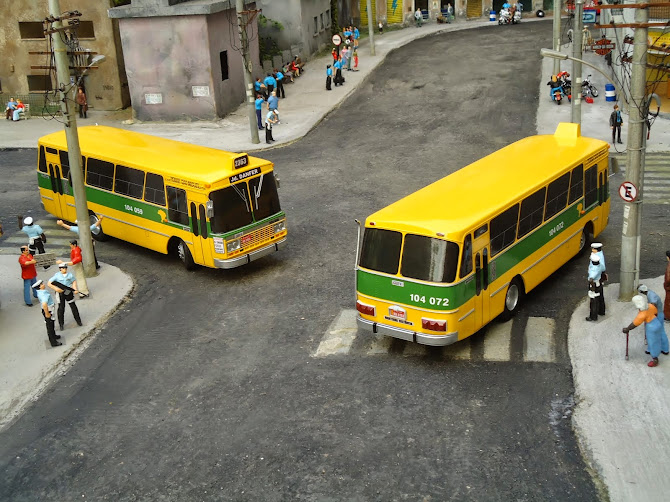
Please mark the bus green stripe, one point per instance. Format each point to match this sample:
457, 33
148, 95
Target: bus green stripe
449, 297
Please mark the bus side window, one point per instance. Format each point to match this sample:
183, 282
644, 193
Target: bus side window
576, 184
42, 161
177, 207
503, 229
478, 279
129, 181
100, 173
607, 185
466, 262
590, 186
64, 163
532, 209
557, 196
154, 190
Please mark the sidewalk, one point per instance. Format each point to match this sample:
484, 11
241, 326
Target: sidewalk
622, 416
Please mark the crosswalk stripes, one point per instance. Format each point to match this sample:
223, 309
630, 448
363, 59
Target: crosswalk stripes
539, 345
58, 239
656, 188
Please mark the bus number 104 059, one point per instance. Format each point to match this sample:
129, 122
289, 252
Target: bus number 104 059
133, 209
431, 300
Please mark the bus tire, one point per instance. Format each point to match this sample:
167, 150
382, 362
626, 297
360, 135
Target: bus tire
184, 254
585, 240
512, 299
100, 236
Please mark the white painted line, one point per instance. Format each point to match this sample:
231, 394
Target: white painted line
458, 350
539, 340
340, 335
497, 341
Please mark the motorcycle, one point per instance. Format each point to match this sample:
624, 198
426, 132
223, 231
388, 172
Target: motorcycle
556, 90
564, 79
505, 16
588, 89
518, 7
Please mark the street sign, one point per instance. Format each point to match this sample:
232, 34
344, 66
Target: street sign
602, 47
628, 191
337, 40
589, 16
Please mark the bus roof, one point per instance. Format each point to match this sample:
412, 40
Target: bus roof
153, 153
484, 188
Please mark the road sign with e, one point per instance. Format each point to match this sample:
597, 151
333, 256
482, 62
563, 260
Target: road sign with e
337, 40
628, 191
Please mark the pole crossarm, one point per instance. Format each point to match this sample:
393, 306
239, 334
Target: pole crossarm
633, 5
631, 25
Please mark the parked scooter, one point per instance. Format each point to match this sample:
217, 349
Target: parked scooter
505, 16
556, 90
588, 89
518, 7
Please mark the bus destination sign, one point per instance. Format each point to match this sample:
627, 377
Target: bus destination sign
245, 174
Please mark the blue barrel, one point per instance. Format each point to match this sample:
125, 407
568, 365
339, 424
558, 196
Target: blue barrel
492, 16
610, 92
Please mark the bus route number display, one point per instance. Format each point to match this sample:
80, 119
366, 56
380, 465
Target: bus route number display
240, 162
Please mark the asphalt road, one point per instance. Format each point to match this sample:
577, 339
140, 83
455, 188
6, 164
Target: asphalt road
204, 388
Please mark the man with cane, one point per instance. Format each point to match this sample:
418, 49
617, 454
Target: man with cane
656, 337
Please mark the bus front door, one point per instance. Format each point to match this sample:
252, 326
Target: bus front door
59, 187
482, 280
202, 242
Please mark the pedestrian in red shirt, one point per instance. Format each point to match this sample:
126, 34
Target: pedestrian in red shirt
28, 274
77, 268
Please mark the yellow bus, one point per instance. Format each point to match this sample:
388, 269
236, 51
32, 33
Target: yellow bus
439, 264
207, 207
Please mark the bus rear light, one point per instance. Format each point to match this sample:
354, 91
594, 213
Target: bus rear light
433, 325
365, 309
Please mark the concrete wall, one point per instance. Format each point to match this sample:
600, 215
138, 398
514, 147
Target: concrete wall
106, 87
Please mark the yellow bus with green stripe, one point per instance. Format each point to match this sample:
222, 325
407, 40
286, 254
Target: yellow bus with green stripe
439, 264
206, 206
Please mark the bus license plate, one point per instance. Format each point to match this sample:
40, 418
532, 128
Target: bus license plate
397, 313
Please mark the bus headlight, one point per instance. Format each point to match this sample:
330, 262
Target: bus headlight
279, 227
232, 246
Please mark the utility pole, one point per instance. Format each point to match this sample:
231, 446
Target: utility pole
248, 82
371, 29
632, 211
577, 35
72, 138
557, 34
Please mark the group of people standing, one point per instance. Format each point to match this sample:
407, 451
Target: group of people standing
343, 58
68, 282
651, 310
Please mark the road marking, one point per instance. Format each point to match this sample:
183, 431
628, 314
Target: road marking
539, 340
340, 335
497, 341
458, 350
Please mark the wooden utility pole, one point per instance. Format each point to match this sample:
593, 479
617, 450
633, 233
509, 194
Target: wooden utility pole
248, 81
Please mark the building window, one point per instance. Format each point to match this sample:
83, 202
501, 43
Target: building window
321, 19
316, 25
85, 29
31, 29
223, 57
327, 18
39, 83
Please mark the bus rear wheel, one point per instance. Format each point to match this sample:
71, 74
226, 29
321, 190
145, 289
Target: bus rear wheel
585, 240
185, 256
512, 299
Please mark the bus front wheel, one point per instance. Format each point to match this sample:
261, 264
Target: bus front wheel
585, 239
512, 299
185, 256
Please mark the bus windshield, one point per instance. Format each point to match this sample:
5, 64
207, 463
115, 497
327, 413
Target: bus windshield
233, 208
423, 258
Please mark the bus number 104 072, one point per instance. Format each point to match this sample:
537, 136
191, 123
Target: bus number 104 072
431, 300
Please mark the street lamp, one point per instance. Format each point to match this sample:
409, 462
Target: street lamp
549, 53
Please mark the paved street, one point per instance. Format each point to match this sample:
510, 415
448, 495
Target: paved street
252, 384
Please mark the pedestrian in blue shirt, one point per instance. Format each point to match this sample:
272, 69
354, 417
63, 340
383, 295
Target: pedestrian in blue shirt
339, 79
259, 110
65, 285
34, 233
96, 229
329, 77
273, 104
47, 304
270, 83
596, 297
279, 77
259, 87
357, 35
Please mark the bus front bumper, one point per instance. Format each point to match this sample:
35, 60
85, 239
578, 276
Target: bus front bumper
238, 261
406, 334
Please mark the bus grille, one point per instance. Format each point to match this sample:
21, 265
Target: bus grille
256, 237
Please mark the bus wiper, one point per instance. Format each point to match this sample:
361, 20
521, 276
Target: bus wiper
242, 193
257, 190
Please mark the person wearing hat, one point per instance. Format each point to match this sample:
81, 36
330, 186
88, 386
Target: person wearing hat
666, 286
47, 303
657, 340
28, 274
329, 77
35, 235
597, 249
77, 268
652, 298
65, 285
596, 302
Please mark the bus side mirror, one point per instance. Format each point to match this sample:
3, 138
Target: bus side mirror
278, 181
210, 209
